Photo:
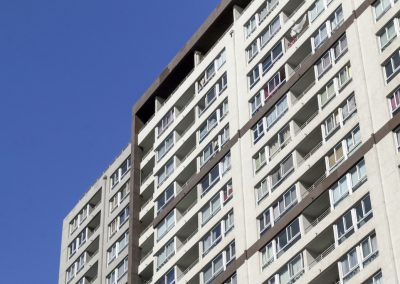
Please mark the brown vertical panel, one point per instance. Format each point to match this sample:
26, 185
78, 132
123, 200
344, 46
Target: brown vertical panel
135, 227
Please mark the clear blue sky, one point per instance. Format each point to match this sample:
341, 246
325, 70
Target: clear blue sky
70, 71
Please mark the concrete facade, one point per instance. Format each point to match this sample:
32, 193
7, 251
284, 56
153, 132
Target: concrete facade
96, 249
268, 150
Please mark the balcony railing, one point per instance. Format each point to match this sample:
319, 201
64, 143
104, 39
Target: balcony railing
319, 219
307, 122
187, 269
146, 256
322, 255
314, 185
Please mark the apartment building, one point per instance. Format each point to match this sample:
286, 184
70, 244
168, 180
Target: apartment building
266, 152
268, 149
95, 235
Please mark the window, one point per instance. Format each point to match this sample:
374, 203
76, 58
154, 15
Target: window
279, 141
168, 278
265, 221
230, 252
213, 269
211, 70
254, 76
340, 190
340, 47
209, 98
277, 111
232, 279
118, 222
251, 26
165, 253
344, 76
331, 123
328, 92
353, 139
262, 190
267, 255
392, 66
118, 273
376, 279
395, 102
165, 197
229, 222
349, 107
272, 57
123, 216
335, 157
320, 36
273, 84
211, 122
72, 248
363, 211
209, 180
211, 208
76, 267
323, 64
166, 145
81, 217
368, 248
397, 137
349, 263
117, 248
288, 199
218, 264
285, 167
258, 131
120, 172
212, 238
113, 227
267, 8
83, 236
119, 197
227, 192
387, 35
221, 59
316, 9
288, 236
165, 172
380, 8
358, 174
292, 271
260, 160
225, 135
80, 263
222, 83
344, 227
255, 104
252, 50
165, 122
166, 225
270, 31
337, 19
79, 241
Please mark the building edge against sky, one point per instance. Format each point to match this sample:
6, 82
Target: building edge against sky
266, 152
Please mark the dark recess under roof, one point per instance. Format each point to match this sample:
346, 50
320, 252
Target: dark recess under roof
182, 64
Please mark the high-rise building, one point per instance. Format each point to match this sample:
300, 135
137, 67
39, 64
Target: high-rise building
268, 151
94, 247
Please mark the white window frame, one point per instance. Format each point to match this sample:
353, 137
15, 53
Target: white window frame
385, 35
392, 63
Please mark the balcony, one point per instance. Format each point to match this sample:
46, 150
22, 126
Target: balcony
328, 276
317, 211
322, 245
